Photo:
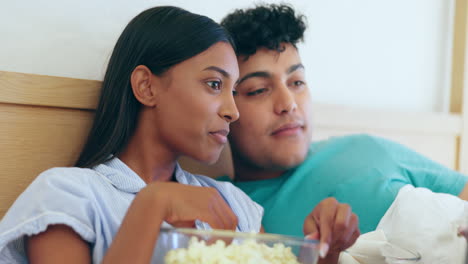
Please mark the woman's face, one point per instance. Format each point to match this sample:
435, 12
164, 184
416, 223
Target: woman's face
195, 104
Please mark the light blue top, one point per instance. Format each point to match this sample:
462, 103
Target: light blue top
363, 171
93, 202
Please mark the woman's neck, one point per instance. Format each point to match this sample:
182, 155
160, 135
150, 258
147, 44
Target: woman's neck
149, 167
151, 160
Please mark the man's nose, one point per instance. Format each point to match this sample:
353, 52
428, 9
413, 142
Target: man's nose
285, 101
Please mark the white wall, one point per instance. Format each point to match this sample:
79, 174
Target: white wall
374, 53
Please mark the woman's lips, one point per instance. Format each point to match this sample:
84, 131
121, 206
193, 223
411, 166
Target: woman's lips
220, 136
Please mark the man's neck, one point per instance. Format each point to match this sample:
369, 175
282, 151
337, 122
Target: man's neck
244, 172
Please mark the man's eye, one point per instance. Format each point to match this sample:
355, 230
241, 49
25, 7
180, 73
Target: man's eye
256, 92
298, 83
234, 93
215, 85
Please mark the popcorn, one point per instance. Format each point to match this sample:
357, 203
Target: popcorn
247, 252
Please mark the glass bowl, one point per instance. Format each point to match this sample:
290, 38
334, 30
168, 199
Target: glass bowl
192, 246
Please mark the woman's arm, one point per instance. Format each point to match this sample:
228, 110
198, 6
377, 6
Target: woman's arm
136, 238
133, 243
178, 204
59, 244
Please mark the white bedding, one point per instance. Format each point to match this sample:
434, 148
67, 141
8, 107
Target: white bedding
422, 221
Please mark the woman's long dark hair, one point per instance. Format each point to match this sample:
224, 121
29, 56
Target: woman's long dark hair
158, 38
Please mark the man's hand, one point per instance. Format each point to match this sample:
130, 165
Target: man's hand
335, 225
463, 231
464, 193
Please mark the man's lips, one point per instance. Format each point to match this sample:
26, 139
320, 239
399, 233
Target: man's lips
220, 135
288, 129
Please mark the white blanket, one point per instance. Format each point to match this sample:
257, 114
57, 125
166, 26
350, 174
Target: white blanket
419, 220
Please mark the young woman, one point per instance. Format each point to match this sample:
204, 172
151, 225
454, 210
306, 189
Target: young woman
167, 92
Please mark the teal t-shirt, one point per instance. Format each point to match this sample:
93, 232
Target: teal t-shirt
363, 171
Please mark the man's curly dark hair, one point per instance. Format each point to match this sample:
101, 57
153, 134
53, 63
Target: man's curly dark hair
265, 26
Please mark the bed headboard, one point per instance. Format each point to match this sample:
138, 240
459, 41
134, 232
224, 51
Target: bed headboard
44, 122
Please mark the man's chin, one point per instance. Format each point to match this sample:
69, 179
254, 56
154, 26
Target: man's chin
288, 161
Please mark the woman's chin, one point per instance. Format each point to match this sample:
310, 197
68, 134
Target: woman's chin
208, 158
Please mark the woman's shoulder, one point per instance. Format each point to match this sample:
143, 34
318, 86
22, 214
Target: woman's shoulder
68, 182
56, 196
65, 175
60, 183
68, 171
211, 182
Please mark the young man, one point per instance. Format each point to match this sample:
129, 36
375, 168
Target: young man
274, 162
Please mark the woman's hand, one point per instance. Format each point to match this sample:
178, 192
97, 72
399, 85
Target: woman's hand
335, 225
177, 204
183, 204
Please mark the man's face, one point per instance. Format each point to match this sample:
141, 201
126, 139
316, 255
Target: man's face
273, 100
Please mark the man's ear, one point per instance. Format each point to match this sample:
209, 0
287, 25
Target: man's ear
142, 85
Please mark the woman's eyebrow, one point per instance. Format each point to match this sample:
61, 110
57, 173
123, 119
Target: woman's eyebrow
217, 69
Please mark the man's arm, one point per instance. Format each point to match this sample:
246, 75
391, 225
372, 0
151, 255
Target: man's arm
464, 193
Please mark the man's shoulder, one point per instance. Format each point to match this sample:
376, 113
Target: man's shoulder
224, 178
338, 150
353, 138
356, 141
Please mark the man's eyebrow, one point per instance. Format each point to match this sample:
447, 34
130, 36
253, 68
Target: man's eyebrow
218, 69
294, 68
262, 74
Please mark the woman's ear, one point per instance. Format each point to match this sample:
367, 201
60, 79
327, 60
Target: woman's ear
142, 85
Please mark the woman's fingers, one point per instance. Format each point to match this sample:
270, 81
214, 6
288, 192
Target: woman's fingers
191, 203
223, 214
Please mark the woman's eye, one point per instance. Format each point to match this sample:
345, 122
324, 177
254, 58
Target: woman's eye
256, 92
234, 93
215, 85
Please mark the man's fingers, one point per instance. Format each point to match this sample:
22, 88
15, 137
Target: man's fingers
314, 236
341, 228
310, 225
355, 235
353, 238
463, 231
311, 231
353, 222
350, 237
326, 222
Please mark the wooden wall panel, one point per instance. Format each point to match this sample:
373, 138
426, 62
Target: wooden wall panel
33, 139
32, 89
